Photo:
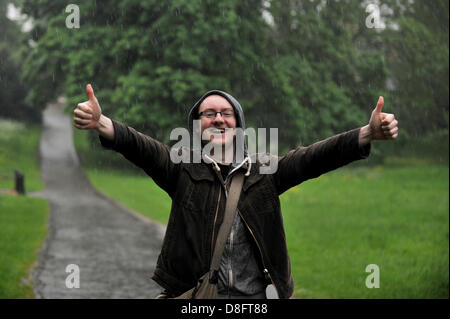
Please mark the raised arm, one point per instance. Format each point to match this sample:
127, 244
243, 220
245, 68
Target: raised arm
143, 151
304, 163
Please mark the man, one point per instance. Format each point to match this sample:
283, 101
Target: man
256, 253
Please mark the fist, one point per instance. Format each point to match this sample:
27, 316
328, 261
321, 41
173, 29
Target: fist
87, 114
383, 126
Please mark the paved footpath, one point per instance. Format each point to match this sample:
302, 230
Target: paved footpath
115, 249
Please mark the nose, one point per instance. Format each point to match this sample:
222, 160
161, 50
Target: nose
219, 118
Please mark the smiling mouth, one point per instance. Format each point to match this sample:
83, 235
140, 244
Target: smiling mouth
218, 130
218, 135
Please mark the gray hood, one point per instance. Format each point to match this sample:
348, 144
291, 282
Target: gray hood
239, 113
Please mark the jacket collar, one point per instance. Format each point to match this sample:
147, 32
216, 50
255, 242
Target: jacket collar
205, 171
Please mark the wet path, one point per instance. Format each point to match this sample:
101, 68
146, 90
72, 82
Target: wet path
115, 250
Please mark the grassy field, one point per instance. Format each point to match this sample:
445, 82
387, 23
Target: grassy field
138, 193
19, 150
23, 220
395, 216
23, 229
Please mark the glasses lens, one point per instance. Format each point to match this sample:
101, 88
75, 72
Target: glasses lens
228, 113
213, 114
210, 114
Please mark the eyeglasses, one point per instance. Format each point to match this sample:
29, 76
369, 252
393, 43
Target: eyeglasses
210, 114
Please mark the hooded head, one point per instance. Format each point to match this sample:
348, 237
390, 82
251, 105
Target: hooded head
238, 112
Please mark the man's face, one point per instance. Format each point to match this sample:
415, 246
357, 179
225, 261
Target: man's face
215, 126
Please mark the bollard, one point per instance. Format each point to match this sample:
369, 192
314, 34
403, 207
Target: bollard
19, 180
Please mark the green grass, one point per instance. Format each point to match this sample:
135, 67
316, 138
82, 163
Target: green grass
138, 193
341, 222
23, 226
23, 229
395, 216
19, 149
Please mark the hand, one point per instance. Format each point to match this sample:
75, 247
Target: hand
382, 126
87, 114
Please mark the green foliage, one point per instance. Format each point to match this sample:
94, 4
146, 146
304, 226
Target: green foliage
312, 69
12, 88
149, 62
331, 70
419, 57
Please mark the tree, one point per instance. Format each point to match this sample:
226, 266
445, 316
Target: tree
418, 53
311, 68
149, 61
330, 69
12, 89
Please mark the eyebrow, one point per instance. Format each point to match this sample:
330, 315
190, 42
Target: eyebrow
209, 109
228, 109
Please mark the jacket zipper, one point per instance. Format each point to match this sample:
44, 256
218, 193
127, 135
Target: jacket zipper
266, 271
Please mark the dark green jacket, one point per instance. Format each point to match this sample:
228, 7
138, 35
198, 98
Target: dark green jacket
198, 203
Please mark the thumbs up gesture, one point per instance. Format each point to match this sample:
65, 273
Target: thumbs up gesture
382, 126
87, 114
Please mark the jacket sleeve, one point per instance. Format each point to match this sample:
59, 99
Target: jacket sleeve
303, 163
145, 152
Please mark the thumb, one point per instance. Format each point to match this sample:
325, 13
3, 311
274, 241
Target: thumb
90, 93
379, 104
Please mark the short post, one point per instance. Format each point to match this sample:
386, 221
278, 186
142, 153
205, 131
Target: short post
19, 182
